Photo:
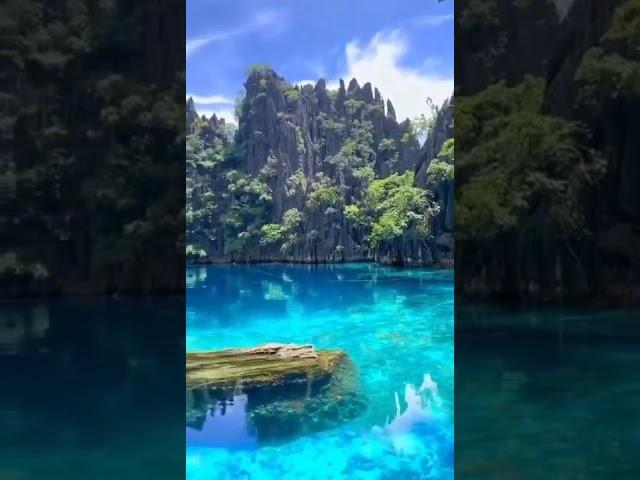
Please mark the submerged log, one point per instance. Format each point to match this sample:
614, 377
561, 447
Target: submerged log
269, 364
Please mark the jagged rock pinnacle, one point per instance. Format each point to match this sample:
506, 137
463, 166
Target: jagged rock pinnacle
377, 96
366, 94
320, 85
391, 112
353, 87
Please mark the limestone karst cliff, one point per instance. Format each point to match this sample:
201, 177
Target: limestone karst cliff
443, 188
315, 175
546, 181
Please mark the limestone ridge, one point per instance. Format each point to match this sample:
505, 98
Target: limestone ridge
191, 113
444, 190
292, 141
274, 114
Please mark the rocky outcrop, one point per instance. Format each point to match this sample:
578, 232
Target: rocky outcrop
293, 137
443, 192
266, 365
191, 114
609, 259
442, 130
288, 390
494, 41
548, 267
302, 126
584, 24
391, 112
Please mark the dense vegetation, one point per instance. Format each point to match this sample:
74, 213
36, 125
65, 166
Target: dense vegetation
546, 188
311, 175
92, 129
539, 185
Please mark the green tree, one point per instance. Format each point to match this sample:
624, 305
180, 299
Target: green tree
441, 168
611, 71
519, 170
399, 210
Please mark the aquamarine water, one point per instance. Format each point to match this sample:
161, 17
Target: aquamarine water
92, 388
396, 325
547, 392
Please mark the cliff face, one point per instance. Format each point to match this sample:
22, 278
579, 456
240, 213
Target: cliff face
303, 127
503, 40
92, 162
300, 158
598, 46
584, 91
443, 190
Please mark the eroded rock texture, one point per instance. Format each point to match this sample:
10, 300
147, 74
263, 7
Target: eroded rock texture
584, 49
300, 156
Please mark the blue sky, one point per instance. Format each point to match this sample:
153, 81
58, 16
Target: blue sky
403, 47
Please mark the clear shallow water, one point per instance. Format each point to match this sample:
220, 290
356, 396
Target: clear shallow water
92, 389
547, 393
396, 325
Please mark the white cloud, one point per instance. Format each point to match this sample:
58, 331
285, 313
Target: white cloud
210, 100
433, 20
302, 83
259, 21
408, 88
226, 113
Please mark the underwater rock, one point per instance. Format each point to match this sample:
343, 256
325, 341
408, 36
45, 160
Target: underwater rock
279, 421
290, 389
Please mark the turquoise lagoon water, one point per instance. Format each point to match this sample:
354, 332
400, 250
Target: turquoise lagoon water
396, 325
92, 389
547, 393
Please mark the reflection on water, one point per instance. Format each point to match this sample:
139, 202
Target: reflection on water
91, 389
547, 393
20, 329
224, 425
394, 324
401, 431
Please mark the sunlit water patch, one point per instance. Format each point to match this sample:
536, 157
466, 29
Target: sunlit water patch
397, 327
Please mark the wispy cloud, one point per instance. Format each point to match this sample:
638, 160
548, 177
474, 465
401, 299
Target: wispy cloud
432, 20
210, 100
431, 62
260, 20
379, 62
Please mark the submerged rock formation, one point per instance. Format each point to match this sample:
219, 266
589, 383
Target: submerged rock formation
267, 365
304, 179
287, 390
